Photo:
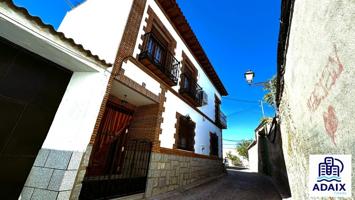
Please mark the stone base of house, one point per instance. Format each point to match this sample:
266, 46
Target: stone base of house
53, 175
168, 172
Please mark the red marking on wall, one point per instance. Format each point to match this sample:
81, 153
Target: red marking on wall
330, 122
328, 77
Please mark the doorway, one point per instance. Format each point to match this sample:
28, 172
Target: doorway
31, 89
118, 165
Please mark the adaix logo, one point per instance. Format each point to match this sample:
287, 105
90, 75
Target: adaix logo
330, 175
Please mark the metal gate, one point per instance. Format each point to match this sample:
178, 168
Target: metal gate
130, 179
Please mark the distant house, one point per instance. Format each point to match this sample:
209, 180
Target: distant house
233, 152
149, 123
255, 150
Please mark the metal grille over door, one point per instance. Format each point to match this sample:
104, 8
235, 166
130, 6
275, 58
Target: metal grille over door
117, 167
131, 179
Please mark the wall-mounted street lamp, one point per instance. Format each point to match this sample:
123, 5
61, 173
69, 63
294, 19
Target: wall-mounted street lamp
249, 76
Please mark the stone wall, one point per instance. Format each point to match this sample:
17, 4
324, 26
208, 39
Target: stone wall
171, 172
272, 162
52, 176
81, 173
317, 107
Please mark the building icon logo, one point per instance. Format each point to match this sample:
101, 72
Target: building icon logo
330, 170
330, 175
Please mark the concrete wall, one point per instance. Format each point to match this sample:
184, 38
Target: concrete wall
317, 109
171, 172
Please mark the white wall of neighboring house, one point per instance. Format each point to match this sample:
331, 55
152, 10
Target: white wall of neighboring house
98, 25
253, 158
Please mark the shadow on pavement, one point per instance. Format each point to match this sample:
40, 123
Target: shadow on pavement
237, 184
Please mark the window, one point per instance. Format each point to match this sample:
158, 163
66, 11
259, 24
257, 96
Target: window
188, 69
217, 108
213, 144
157, 50
189, 87
185, 133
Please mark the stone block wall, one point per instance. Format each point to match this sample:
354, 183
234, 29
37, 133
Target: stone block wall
75, 193
170, 172
52, 176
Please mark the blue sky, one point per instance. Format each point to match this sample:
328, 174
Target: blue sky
236, 35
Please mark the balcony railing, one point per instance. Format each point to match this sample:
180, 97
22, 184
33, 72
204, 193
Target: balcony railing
191, 90
221, 119
159, 60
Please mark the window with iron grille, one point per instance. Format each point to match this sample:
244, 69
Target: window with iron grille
185, 133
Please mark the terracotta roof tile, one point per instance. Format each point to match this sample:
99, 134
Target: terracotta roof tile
51, 30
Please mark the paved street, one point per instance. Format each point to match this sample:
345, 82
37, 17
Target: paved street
238, 184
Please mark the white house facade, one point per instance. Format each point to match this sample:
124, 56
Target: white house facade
156, 53
147, 124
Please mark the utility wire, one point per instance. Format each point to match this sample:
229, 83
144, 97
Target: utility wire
69, 4
232, 140
240, 111
241, 100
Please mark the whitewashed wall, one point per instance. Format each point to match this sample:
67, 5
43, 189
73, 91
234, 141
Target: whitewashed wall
202, 131
108, 26
98, 25
75, 119
173, 104
203, 80
138, 75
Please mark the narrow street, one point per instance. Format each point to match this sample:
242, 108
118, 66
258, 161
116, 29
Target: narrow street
237, 184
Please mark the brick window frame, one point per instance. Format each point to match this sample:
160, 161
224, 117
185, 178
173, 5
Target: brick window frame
188, 67
190, 135
214, 146
153, 23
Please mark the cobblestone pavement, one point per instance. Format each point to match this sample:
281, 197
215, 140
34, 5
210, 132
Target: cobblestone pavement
238, 184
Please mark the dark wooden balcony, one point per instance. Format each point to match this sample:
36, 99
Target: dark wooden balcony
221, 119
191, 90
156, 57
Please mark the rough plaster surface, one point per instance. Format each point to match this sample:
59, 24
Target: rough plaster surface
317, 106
